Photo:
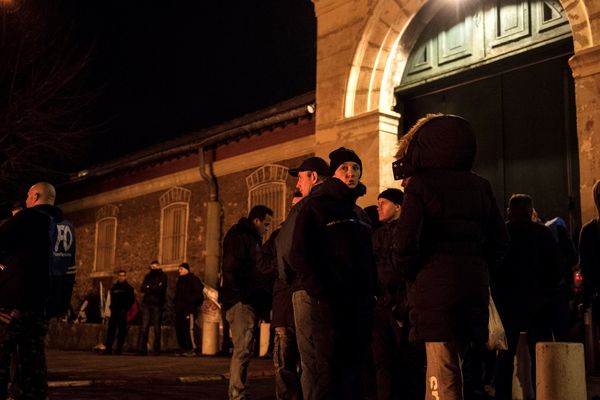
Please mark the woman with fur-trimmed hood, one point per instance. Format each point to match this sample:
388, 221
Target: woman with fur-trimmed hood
449, 234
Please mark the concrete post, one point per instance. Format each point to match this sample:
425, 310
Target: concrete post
210, 329
560, 371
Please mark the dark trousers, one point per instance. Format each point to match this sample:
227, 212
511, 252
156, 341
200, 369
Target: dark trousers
342, 336
286, 360
117, 325
151, 314
537, 326
399, 365
27, 332
185, 327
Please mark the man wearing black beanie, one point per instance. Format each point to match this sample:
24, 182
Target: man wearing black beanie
332, 255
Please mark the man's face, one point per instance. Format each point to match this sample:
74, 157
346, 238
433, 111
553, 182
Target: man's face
262, 226
349, 173
154, 266
387, 210
183, 271
32, 197
122, 277
306, 181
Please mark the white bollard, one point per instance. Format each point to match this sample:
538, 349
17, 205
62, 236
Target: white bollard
210, 338
560, 371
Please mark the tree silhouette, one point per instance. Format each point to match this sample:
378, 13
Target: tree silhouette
42, 96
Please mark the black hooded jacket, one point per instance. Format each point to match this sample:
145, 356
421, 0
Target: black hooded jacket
188, 294
331, 248
24, 254
154, 287
450, 233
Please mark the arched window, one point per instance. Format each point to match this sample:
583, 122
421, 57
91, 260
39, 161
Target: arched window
106, 238
266, 186
173, 227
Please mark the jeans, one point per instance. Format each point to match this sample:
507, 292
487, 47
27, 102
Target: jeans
302, 303
242, 320
444, 374
151, 314
27, 331
286, 359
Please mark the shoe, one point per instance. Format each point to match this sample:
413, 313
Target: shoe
117, 352
155, 353
142, 353
190, 353
105, 352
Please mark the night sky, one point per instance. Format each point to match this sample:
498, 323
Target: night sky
155, 70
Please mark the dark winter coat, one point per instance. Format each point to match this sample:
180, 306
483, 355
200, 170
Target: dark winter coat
154, 288
121, 297
392, 285
188, 294
332, 249
24, 253
242, 282
589, 256
449, 233
530, 272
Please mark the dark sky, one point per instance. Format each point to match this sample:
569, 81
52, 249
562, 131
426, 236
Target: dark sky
166, 68
126, 74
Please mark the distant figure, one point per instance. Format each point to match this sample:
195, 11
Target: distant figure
589, 258
188, 297
25, 285
243, 297
121, 299
154, 288
523, 288
563, 293
450, 233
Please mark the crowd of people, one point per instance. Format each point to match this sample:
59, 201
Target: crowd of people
388, 305
395, 305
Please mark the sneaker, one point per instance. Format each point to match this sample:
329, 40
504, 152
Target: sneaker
190, 353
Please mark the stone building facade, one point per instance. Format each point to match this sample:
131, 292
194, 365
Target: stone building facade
361, 55
155, 204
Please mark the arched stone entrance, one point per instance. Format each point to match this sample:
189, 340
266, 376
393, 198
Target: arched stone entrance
358, 68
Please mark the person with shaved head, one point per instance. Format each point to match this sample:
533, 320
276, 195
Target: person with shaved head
28, 250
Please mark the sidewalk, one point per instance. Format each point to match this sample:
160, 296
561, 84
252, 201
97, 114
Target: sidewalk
79, 368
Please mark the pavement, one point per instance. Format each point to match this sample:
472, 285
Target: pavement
80, 368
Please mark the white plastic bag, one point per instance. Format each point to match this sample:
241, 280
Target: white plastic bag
496, 335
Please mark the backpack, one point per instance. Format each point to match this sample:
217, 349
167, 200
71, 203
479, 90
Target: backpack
61, 265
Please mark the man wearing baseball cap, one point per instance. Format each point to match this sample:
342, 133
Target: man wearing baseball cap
311, 173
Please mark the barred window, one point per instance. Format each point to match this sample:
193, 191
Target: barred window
174, 220
106, 238
266, 186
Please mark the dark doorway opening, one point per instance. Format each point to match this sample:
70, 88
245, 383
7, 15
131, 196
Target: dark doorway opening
523, 111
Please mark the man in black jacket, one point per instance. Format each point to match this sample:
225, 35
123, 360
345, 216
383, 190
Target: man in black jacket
154, 288
523, 288
24, 288
188, 297
121, 300
333, 256
244, 297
